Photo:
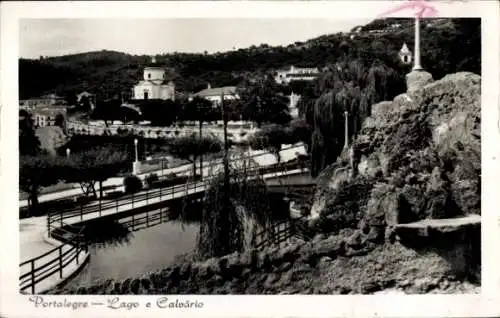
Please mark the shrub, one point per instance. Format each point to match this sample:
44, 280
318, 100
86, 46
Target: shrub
151, 179
132, 184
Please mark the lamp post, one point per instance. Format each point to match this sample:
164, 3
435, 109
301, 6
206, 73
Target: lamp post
346, 137
67, 152
416, 65
136, 153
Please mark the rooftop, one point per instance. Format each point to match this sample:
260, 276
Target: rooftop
216, 91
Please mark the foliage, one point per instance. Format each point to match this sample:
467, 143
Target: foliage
300, 130
231, 218
262, 103
352, 87
29, 144
451, 45
151, 179
36, 172
159, 112
192, 147
199, 109
132, 184
95, 165
271, 137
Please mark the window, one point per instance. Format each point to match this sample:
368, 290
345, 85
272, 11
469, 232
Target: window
149, 75
146, 95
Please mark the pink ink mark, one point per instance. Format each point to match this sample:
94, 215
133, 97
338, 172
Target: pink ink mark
420, 6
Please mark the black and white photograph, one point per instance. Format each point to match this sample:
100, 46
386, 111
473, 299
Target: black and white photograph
256, 156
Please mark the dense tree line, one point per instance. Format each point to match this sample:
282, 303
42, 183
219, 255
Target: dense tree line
449, 44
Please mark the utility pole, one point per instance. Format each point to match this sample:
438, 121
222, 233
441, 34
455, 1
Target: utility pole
226, 146
224, 218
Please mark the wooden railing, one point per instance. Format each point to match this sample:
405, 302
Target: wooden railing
54, 261
214, 164
280, 232
56, 219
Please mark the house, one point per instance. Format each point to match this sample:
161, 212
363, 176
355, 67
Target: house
47, 116
296, 74
214, 94
42, 101
91, 98
154, 84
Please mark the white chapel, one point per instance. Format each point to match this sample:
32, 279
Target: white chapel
154, 84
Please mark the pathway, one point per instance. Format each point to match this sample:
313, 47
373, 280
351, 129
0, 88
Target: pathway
33, 231
262, 158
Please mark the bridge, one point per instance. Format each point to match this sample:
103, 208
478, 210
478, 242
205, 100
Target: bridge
55, 266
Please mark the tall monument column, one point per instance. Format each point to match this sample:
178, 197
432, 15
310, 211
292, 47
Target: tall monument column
417, 66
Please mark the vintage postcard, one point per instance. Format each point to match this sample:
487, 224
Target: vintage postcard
254, 159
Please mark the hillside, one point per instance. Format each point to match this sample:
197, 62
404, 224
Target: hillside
446, 42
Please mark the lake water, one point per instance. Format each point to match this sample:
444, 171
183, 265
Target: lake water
123, 253
146, 242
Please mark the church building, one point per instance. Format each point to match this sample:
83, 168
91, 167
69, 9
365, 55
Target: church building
154, 84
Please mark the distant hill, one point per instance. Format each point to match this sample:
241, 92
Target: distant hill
446, 50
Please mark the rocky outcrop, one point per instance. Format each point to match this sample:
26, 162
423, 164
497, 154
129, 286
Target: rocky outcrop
418, 155
332, 265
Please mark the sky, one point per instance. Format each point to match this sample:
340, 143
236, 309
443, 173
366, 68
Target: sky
54, 37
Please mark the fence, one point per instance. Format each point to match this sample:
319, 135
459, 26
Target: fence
150, 196
54, 261
280, 232
55, 205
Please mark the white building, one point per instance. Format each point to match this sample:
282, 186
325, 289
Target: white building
154, 85
214, 94
405, 54
296, 74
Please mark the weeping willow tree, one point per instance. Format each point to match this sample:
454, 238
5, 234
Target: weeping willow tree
352, 87
226, 229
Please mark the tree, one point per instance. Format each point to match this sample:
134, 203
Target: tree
94, 165
300, 130
29, 144
262, 103
108, 110
191, 147
36, 172
271, 137
199, 109
60, 121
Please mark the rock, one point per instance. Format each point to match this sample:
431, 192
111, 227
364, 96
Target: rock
285, 267
417, 79
271, 281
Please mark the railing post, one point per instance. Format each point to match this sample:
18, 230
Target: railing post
48, 224
61, 214
33, 276
132, 200
133, 222
77, 247
147, 219
116, 205
160, 193
81, 212
147, 195
100, 205
60, 262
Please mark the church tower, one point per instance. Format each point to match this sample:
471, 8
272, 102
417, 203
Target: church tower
154, 84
